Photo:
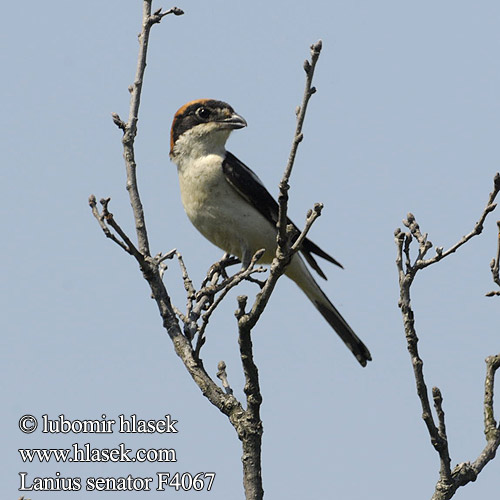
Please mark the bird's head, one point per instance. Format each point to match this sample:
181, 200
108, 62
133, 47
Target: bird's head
202, 127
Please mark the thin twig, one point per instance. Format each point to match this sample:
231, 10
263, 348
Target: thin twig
311, 217
108, 216
130, 128
200, 301
449, 480
443, 442
220, 267
467, 472
188, 284
207, 297
229, 284
247, 421
285, 252
222, 375
247, 320
495, 266
150, 266
100, 218
478, 228
284, 186
130, 131
167, 256
277, 269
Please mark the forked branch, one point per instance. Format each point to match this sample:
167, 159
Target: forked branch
202, 303
449, 480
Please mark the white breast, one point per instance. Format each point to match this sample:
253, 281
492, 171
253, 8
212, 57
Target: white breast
219, 212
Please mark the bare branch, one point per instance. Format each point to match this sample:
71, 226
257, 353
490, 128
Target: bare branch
285, 252
495, 266
312, 215
253, 442
151, 267
247, 421
477, 230
222, 375
162, 257
158, 15
467, 472
119, 122
449, 480
442, 446
207, 300
278, 266
130, 128
284, 186
491, 429
230, 283
101, 219
108, 216
246, 321
188, 284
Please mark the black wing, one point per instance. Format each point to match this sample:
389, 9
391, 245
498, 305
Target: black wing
251, 188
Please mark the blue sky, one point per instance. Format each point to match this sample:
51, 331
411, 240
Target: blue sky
406, 118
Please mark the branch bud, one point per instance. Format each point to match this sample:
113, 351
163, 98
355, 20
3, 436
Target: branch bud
316, 47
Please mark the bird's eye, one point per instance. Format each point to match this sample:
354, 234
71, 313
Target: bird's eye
203, 113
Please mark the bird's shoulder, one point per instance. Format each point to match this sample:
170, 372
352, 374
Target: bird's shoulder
250, 187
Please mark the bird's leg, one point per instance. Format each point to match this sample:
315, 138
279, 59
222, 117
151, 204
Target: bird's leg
246, 258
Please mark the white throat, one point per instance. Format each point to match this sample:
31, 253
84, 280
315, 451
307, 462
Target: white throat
202, 140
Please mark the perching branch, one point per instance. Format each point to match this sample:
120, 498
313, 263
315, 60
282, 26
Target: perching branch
285, 251
449, 480
153, 267
202, 303
309, 90
247, 320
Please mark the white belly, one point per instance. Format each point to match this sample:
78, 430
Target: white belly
220, 213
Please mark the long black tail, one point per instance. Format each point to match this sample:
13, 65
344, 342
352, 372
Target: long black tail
298, 272
344, 331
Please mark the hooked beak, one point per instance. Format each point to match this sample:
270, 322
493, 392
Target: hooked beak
234, 121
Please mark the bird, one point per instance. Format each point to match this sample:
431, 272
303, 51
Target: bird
230, 206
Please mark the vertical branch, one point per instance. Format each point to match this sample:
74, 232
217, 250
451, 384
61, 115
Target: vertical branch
284, 186
130, 132
445, 471
246, 422
252, 430
449, 480
495, 266
406, 276
130, 128
284, 251
491, 429
150, 266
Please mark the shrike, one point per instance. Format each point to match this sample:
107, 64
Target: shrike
230, 206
